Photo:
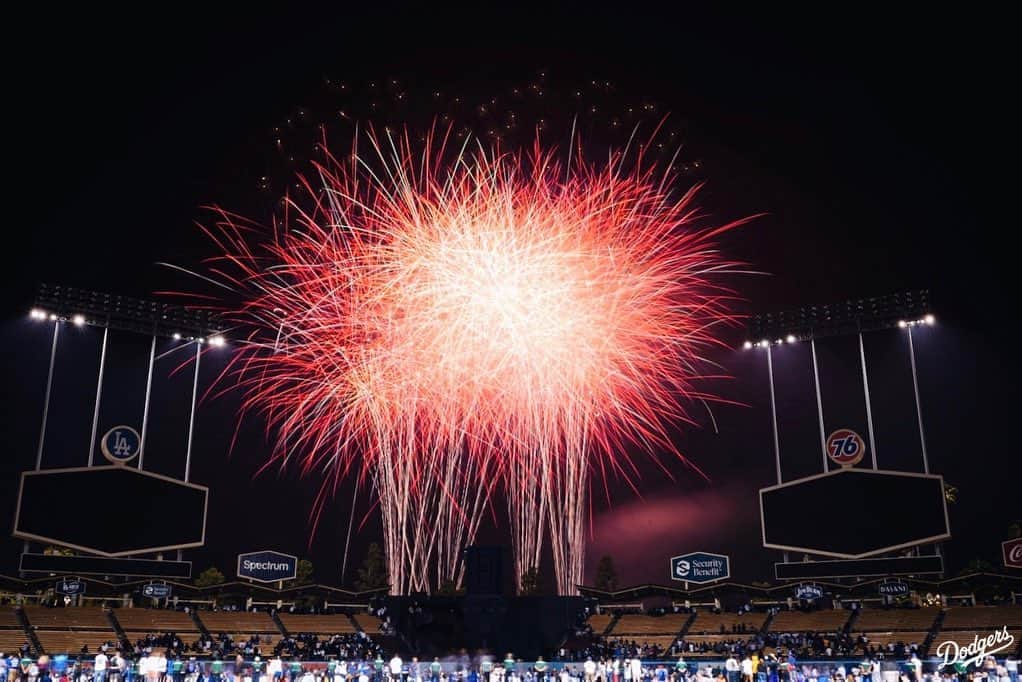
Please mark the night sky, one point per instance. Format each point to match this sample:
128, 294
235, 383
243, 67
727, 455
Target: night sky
874, 145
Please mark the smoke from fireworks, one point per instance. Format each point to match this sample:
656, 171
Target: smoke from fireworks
439, 320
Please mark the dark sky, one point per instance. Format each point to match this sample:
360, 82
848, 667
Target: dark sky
874, 143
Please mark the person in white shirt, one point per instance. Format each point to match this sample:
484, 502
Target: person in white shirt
395, 667
161, 666
589, 668
1011, 665
733, 668
99, 666
747, 669
636, 669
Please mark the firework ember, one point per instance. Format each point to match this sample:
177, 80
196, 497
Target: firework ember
438, 321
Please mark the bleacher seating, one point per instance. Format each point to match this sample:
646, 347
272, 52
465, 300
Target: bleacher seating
982, 617
888, 620
8, 618
824, 620
12, 636
662, 641
155, 620
599, 622
84, 618
66, 630
894, 637
632, 624
369, 623
709, 623
322, 626
243, 622
72, 641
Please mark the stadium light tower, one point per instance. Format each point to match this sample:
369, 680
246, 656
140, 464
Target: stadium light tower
87, 308
903, 310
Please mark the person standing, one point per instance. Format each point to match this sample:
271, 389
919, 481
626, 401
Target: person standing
540, 668
396, 665
636, 669
732, 668
747, 669
1011, 665
99, 666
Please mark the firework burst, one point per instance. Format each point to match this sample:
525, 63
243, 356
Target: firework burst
437, 320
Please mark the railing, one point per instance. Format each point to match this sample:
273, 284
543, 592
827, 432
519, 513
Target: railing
292, 669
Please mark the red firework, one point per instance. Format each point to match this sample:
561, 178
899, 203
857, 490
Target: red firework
435, 320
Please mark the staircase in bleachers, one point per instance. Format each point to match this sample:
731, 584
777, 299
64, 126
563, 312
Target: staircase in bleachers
279, 623
851, 622
198, 623
766, 624
13, 632
688, 624
122, 636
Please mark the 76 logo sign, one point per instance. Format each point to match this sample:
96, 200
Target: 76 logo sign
845, 447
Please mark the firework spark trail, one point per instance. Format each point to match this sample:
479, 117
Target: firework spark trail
437, 321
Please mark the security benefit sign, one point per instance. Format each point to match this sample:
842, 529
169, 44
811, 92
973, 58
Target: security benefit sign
157, 590
267, 566
700, 567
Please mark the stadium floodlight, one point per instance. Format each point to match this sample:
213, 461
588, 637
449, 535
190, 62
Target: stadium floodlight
930, 320
123, 313
217, 340
747, 345
848, 317
791, 338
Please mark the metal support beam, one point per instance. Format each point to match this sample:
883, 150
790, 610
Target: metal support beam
869, 409
819, 403
919, 409
773, 413
99, 395
46, 398
145, 409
